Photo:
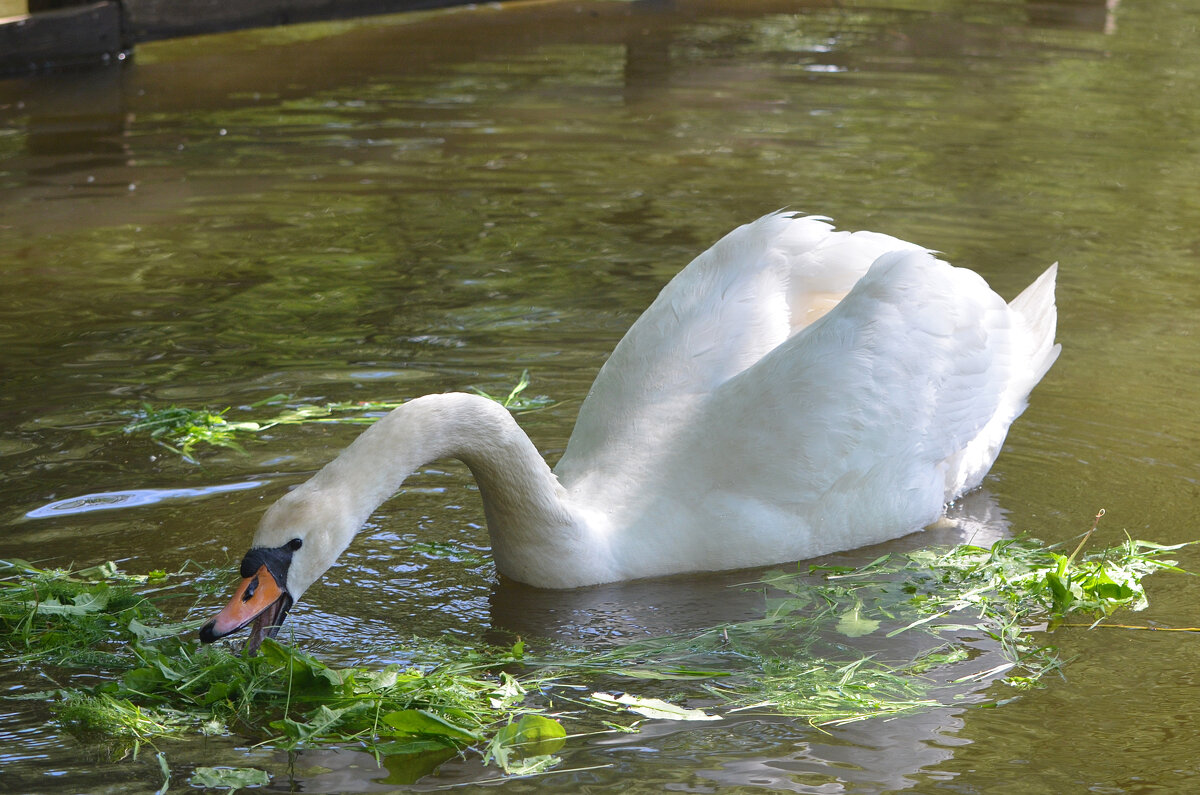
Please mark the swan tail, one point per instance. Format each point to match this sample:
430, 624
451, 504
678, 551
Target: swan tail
1035, 306
1034, 321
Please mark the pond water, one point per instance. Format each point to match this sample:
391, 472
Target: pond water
388, 207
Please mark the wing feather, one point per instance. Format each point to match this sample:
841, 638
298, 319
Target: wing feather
859, 418
724, 312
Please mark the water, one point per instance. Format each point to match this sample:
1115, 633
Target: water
383, 208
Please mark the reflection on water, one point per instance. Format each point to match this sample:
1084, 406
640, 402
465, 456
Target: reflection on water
414, 204
690, 603
112, 500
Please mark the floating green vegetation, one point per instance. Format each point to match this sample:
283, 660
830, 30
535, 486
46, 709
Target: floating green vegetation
182, 430
84, 618
231, 778
514, 708
516, 400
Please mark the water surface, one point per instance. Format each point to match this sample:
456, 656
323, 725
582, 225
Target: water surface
389, 207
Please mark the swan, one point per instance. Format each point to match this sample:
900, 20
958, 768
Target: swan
792, 392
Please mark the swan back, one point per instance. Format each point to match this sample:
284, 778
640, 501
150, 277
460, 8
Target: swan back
760, 284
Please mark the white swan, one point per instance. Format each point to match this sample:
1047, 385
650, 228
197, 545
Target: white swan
793, 392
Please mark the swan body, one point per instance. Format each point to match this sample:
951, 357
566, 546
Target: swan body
794, 391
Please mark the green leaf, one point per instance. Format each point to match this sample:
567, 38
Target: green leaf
84, 603
530, 765
1106, 588
165, 769
533, 735
144, 680
420, 722
229, 777
321, 722
667, 674
308, 676
853, 624
101, 571
218, 691
1060, 591
526, 746
508, 694
144, 632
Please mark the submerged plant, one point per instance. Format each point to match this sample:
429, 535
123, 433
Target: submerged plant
512, 708
181, 430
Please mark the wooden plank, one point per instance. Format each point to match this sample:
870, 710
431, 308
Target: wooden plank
77, 36
150, 20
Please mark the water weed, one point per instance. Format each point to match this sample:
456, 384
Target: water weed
518, 710
182, 430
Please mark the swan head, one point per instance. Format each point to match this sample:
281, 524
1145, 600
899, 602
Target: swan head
298, 538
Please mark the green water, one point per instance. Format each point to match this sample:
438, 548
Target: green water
379, 209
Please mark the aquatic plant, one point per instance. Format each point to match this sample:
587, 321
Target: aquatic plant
513, 707
77, 618
182, 430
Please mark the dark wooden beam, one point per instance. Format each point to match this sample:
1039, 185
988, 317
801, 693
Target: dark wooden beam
150, 20
67, 33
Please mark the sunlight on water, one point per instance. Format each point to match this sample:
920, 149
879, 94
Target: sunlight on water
136, 498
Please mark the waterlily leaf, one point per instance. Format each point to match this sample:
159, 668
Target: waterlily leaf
654, 708
229, 777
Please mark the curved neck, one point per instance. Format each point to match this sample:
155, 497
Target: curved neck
530, 525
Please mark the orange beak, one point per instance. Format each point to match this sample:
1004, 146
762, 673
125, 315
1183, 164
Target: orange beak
258, 599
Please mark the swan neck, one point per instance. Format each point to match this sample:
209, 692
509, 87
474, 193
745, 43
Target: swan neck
522, 499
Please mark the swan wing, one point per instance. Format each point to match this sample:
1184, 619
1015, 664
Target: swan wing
759, 285
862, 425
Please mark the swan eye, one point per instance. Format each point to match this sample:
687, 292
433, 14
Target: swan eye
295, 544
